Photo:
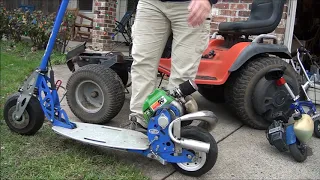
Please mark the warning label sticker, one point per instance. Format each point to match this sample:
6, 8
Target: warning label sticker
161, 101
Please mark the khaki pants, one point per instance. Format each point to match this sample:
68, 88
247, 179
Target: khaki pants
154, 22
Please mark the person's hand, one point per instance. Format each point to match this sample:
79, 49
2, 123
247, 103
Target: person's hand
199, 11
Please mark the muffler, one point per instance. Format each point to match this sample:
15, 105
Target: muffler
206, 116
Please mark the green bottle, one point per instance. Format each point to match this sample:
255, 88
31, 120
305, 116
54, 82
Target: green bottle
155, 100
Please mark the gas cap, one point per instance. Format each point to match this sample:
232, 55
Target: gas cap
163, 121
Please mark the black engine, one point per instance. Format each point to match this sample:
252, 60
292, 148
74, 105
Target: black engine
276, 136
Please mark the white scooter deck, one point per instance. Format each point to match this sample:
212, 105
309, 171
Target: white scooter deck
105, 136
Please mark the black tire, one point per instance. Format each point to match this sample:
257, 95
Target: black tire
122, 71
107, 83
242, 84
196, 133
317, 128
298, 153
212, 93
32, 119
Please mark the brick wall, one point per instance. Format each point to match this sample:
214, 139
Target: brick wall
104, 15
239, 10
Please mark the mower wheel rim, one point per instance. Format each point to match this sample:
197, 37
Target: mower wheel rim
89, 96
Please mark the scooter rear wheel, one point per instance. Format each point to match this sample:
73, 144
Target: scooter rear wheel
31, 120
298, 152
205, 161
317, 128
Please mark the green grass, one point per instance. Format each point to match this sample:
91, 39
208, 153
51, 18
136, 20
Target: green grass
47, 155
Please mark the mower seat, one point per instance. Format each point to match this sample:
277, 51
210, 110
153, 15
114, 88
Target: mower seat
264, 18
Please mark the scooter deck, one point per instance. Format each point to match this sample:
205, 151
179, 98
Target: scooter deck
105, 136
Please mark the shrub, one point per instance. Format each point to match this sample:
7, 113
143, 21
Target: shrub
4, 21
36, 26
14, 24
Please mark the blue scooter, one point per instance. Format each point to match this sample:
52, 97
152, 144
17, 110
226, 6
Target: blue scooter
293, 137
192, 150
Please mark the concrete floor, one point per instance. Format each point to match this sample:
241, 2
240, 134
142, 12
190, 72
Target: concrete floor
244, 153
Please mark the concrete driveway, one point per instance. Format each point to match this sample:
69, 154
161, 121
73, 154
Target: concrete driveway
244, 153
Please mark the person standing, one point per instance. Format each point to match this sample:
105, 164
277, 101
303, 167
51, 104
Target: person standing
155, 20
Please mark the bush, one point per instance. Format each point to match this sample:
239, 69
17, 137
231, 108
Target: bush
4, 21
16, 23
12, 25
38, 28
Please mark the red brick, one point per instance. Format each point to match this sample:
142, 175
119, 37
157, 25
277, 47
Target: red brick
102, 41
285, 9
219, 19
107, 21
284, 15
222, 6
102, 25
111, 26
235, 19
238, 6
105, 37
280, 30
231, 1
102, 8
244, 13
214, 26
98, 20
228, 13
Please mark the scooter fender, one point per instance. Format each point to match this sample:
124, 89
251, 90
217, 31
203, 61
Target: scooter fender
290, 135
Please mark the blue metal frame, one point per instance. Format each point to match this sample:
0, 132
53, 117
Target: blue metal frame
48, 96
163, 145
290, 135
49, 99
298, 105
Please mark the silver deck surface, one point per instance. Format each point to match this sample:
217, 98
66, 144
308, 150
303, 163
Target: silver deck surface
106, 136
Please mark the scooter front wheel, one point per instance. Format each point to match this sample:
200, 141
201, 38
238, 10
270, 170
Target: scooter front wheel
31, 120
204, 161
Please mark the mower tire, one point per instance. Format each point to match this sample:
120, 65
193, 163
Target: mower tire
95, 94
255, 100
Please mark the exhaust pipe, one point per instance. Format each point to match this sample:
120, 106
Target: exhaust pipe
206, 116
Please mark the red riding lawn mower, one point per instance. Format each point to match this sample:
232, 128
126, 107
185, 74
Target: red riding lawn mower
232, 69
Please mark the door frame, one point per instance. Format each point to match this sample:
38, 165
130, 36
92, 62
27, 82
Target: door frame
118, 15
291, 16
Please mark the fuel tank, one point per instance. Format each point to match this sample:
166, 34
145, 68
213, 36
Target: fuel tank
303, 128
